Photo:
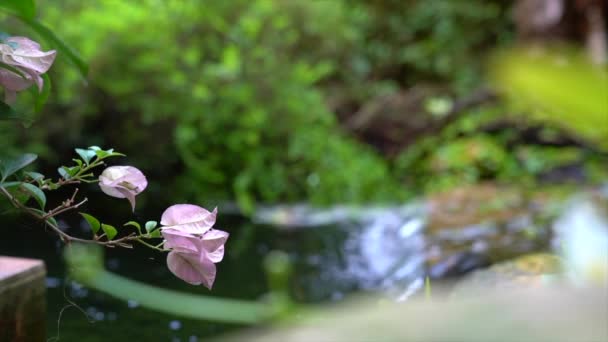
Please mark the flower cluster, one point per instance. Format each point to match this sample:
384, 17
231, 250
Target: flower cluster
25, 56
194, 246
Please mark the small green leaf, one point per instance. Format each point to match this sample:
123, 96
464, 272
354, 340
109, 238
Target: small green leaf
155, 233
94, 148
38, 194
150, 225
109, 230
134, 224
10, 166
63, 171
35, 175
86, 155
53, 221
78, 162
101, 154
92, 221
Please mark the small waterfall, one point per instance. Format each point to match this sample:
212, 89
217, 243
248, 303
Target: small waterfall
344, 248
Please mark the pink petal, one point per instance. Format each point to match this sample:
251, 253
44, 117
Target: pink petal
181, 242
188, 217
109, 187
129, 195
123, 182
28, 55
213, 244
10, 80
24, 43
191, 268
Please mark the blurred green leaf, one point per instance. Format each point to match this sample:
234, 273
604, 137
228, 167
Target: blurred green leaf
38, 194
22, 8
9, 166
92, 221
560, 87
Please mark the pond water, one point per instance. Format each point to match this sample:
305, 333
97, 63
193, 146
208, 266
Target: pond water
333, 252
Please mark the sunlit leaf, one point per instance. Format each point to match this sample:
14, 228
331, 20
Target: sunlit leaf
86, 155
92, 221
9, 166
150, 225
109, 230
38, 194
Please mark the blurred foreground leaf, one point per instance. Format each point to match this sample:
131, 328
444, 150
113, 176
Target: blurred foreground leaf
86, 266
561, 86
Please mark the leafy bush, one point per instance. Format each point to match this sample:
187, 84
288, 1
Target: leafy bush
226, 89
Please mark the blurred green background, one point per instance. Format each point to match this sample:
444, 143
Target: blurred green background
342, 101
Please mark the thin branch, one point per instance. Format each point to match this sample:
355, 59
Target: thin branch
121, 242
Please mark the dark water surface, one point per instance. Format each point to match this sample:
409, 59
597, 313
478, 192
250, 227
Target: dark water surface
103, 318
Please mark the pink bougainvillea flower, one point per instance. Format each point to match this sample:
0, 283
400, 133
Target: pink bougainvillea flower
188, 218
191, 268
192, 258
194, 246
26, 56
123, 182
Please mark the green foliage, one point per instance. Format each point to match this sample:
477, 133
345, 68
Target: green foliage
10, 165
227, 89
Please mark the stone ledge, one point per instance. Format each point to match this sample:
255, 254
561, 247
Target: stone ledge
22, 300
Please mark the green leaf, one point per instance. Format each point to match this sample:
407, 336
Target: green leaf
86, 155
150, 225
63, 172
92, 221
94, 148
57, 43
22, 8
109, 230
68, 172
134, 224
34, 175
38, 194
43, 96
12, 69
7, 185
10, 166
155, 233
